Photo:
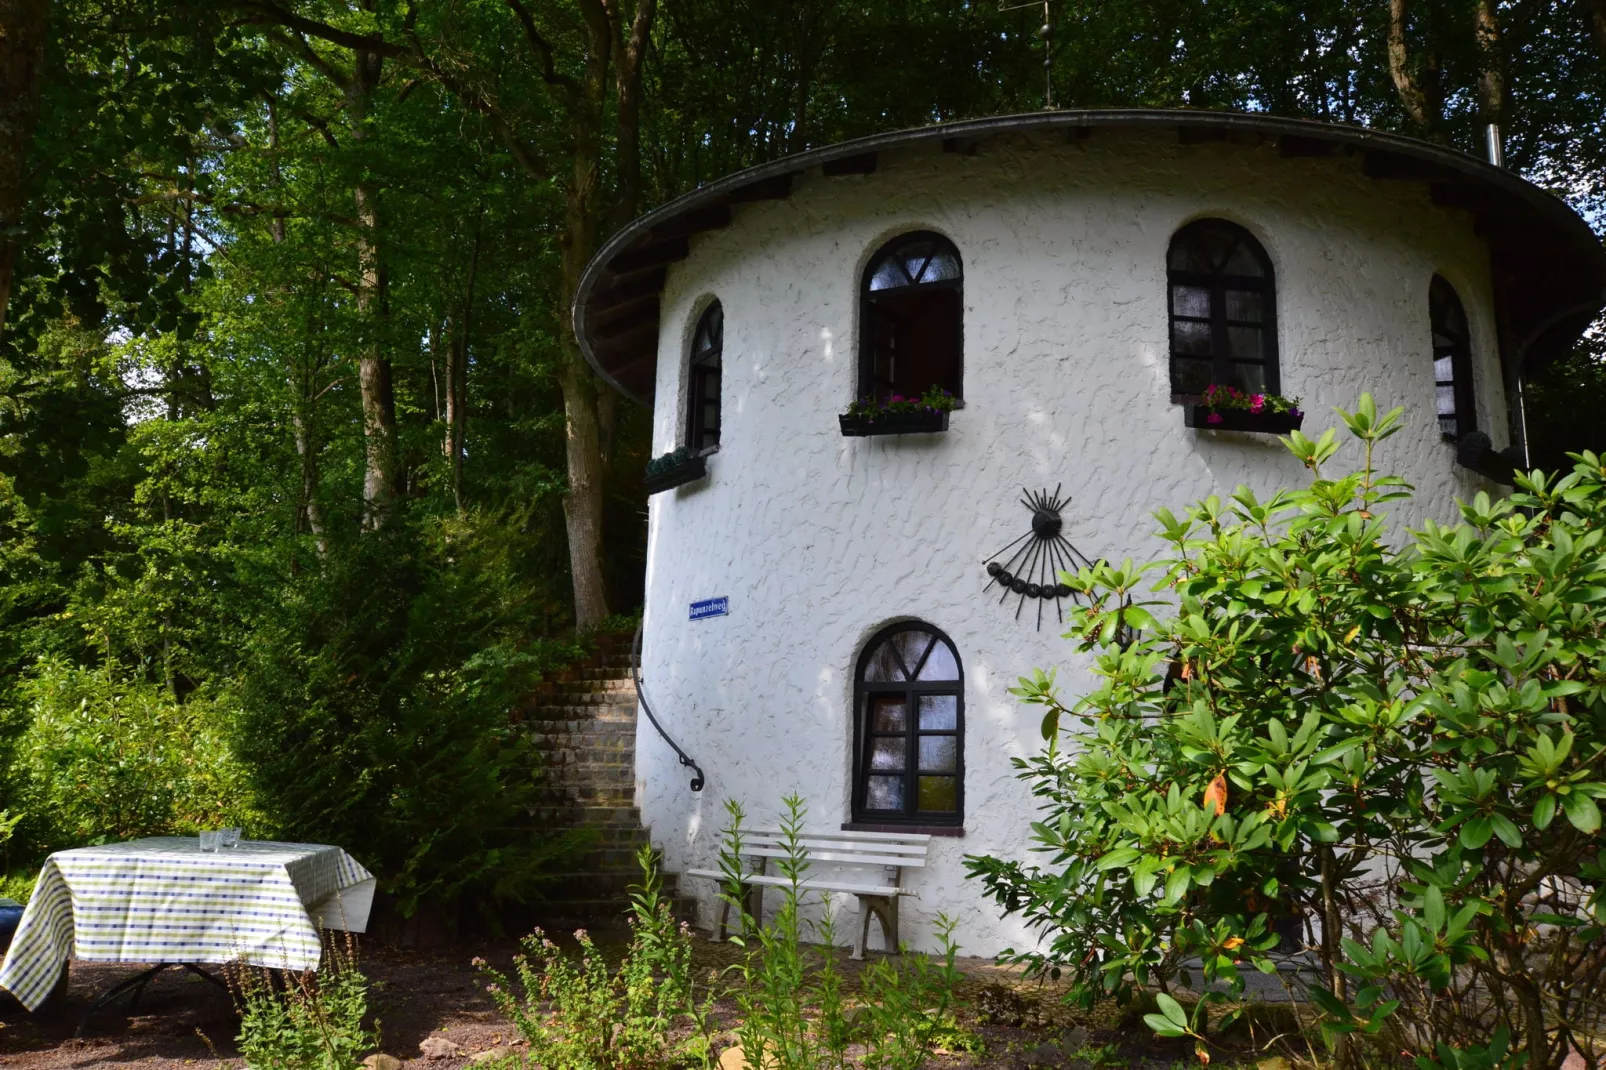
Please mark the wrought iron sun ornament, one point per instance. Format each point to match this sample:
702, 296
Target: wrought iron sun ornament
1032, 571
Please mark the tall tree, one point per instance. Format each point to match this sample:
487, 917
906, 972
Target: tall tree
22, 59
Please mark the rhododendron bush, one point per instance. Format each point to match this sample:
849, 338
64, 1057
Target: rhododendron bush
1316, 735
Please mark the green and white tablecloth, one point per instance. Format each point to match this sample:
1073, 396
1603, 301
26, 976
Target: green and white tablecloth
163, 900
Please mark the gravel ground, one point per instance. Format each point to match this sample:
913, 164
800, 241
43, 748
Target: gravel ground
183, 1021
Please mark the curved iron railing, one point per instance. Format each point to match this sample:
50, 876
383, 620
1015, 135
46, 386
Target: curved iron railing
641, 696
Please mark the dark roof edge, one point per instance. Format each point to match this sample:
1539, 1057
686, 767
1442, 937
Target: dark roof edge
1499, 179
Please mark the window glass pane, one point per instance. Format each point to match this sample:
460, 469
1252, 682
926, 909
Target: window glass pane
1190, 336
1446, 399
1449, 425
938, 754
1444, 369
940, 663
939, 793
883, 665
912, 646
888, 276
1243, 262
887, 713
1244, 305
1244, 342
1251, 378
1190, 301
884, 793
939, 713
943, 265
887, 754
1189, 376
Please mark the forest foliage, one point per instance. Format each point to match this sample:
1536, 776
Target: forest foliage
302, 480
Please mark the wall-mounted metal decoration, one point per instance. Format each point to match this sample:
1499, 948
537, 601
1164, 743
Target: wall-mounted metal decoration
1032, 571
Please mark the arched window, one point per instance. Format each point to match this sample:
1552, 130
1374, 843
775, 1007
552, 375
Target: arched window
912, 321
1223, 311
1452, 361
909, 729
702, 387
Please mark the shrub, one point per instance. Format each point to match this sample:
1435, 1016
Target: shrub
308, 1021
1398, 747
110, 757
582, 1015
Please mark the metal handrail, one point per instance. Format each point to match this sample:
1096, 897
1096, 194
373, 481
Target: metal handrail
641, 696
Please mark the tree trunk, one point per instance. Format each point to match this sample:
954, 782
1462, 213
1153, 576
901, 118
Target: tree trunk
22, 60
381, 483
1418, 99
306, 451
457, 377
1492, 75
582, 506
1597, 24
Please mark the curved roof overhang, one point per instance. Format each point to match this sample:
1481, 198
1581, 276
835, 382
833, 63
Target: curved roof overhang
1549, 267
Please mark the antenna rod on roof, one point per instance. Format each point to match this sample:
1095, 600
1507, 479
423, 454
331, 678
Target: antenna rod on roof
1047, 34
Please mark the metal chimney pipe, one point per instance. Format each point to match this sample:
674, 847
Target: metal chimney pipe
1491, 137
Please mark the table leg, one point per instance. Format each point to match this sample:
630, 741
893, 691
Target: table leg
138, 981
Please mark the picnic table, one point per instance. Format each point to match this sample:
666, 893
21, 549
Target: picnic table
163, 900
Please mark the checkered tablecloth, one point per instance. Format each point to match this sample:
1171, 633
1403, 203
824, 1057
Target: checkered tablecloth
163, 900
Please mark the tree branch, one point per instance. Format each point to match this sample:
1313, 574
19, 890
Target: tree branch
543, 48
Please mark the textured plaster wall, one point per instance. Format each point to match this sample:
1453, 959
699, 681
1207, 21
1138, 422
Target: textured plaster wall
820, 540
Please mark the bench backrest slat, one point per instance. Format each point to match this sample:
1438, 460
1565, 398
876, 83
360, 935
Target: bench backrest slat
812, 844
865, 858
851, 837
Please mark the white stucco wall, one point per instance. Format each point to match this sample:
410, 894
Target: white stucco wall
819, 540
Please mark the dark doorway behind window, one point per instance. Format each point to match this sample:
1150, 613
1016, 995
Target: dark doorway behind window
913, 319
702, 388
1452, 361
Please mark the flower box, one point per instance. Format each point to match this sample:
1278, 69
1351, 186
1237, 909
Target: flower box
1266, 423
892, 423
669, 471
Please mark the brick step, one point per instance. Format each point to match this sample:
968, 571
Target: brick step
619, 711
569, 751
588, 816
611, 683
619, 793
594, 673
625, 696
602, 765
609, 741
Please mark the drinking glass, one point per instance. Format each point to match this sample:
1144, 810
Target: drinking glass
210, 839
229, 838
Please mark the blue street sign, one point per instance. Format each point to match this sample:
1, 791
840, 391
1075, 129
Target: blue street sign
710, 607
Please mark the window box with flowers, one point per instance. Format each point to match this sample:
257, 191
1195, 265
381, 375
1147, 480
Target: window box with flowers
899, 415
1226, 408
674, 469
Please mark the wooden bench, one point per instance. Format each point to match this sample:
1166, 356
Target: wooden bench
890, 850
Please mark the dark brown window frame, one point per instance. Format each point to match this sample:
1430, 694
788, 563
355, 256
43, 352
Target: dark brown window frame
1221, 360
706, 363
1459, 350
867, 300
863, 738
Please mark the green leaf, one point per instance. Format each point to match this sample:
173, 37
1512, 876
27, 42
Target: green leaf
1121, 856
1582, 812
1433, 908
1172, 1010
1544, 811
1162, 1027
1476, 833
1506, 829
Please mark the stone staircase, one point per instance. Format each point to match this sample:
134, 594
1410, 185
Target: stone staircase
585, 725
